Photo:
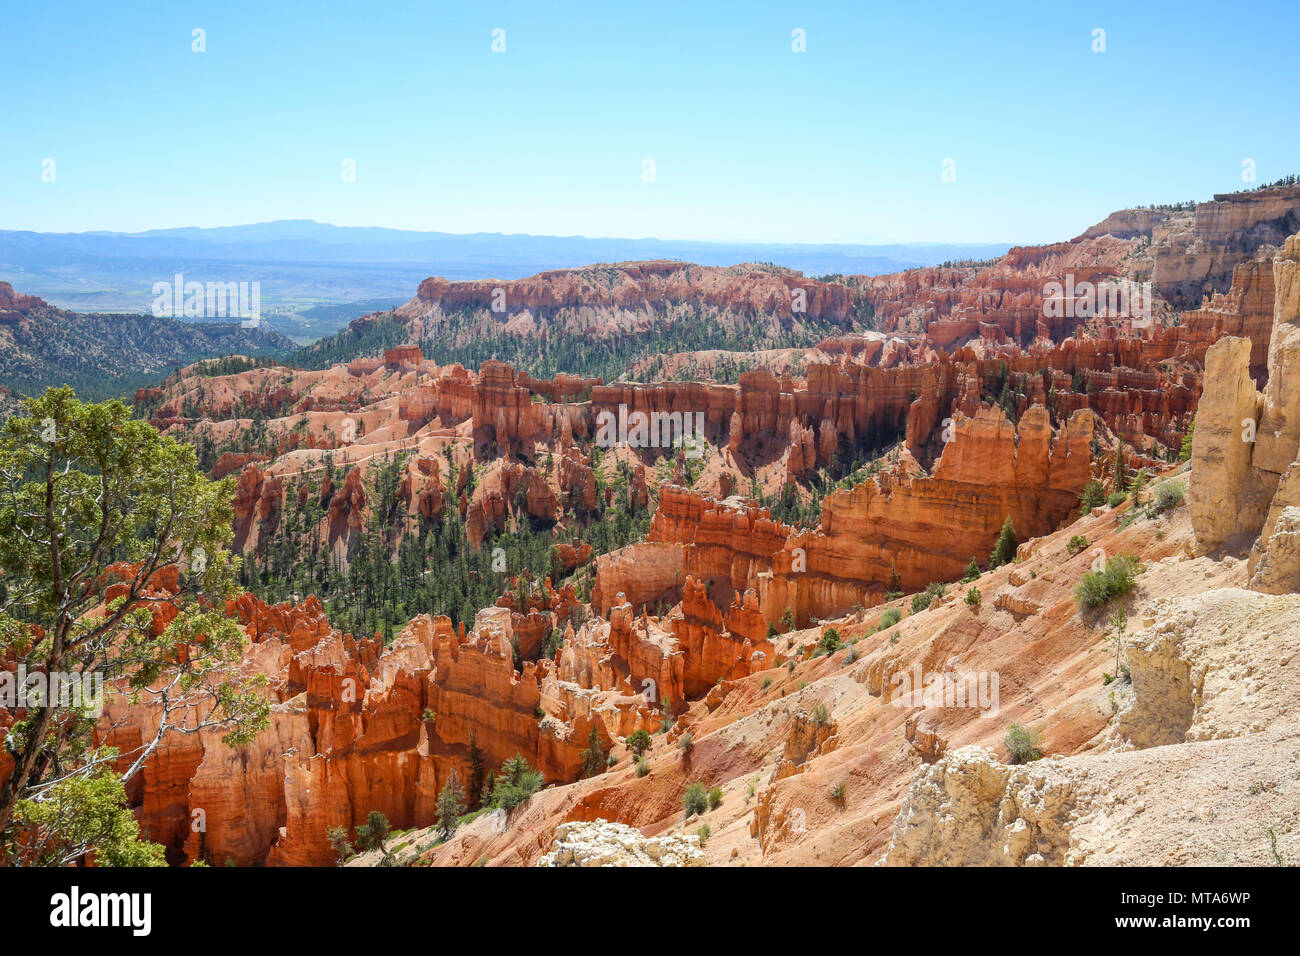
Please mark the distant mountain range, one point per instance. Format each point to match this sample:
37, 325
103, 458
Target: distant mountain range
308, 269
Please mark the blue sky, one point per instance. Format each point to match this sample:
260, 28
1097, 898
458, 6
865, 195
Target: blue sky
751, 141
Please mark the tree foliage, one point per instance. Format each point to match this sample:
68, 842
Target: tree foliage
95, 510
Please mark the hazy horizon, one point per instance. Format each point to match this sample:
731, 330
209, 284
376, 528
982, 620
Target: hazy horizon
758, 123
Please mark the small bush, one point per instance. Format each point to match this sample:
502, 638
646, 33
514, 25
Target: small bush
686, 745
1076, 544
972, 570
1093, 495
767, 682
372, 834
715, 797
340, 844
923, 600
1169, 495
973, 596
830, 642
703, 833
593, 758
695, 800
1185, 451
1096, 588
642, 766
666, 724
1116, 499
889, 619
837, 793
638, 742
821, 716
1023, 743
1004, 552
515, 783
1138, 487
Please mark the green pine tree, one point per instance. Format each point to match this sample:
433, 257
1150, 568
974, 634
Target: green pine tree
450, 806
1004, 552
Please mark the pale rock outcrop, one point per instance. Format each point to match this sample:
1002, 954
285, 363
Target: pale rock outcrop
1211, 666
1220, 454
601, 843
1276, 560
970, 809
1279, 425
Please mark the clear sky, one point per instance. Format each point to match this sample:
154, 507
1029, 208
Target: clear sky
750, 140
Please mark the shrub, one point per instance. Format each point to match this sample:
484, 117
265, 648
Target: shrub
1076, 544
1169, 495
514, 784
787, 621
830, 642
1139, 485
450, 806
1116, 499
642, 767
593, 758
1093, 495
1022, 743
1004, 552
923, 600
695, 800
972, 570
1185, 452
1096, 588
838, 792
372, 834
666, 724
973, 596
715, 797
767, 682
889, 619
686, 745
703, 833
821, 716
339, 843
638, 742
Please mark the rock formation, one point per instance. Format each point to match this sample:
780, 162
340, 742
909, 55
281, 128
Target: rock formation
1246, 443
601, 843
